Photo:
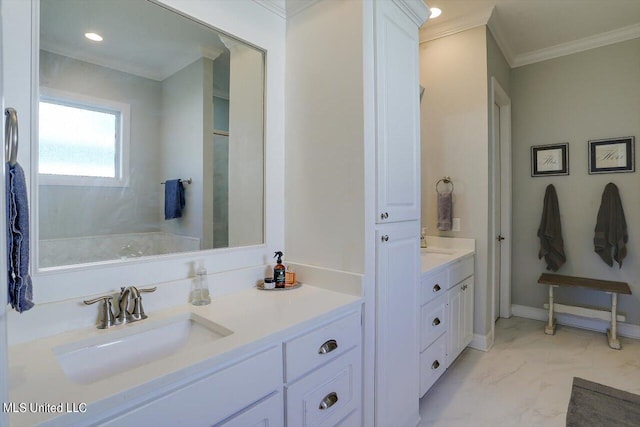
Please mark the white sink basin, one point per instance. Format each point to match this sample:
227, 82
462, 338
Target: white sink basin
133, 345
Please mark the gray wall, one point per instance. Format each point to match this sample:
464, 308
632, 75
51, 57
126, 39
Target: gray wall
67, 211
588, 95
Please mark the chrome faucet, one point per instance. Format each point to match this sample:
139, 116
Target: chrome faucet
128, 296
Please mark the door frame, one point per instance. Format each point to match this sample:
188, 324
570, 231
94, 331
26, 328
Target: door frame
499, 96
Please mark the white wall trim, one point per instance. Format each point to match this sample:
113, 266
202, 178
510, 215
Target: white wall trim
415, 9
482, 342
624, 329
501, 38
432, 32
592, 42
295, 8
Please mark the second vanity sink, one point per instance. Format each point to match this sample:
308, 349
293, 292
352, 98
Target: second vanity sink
137, 344
439, 251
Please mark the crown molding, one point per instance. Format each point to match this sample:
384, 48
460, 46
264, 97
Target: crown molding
415, 9
286, 9
580, 45
501, 38
448, 28
276, 6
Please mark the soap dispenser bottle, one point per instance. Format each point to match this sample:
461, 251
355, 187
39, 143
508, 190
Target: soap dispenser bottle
200, 294
279, 271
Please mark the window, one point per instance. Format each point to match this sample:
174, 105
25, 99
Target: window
82, 141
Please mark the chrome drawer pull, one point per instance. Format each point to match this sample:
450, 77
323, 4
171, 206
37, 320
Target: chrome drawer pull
435, 365
436, 288
328, 347
435, 322
328, 401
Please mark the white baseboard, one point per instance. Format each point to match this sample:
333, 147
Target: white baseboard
482, 342
624, 329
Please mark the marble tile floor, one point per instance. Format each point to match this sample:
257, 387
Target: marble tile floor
525, 379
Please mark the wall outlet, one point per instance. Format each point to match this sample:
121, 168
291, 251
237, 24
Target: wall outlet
455, 225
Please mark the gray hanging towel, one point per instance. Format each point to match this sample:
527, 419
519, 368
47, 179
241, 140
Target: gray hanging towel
20, 289
174, 200
445, 211
611, 227
550, 232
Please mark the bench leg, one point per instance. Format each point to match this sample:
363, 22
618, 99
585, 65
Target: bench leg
550, 327
612, 334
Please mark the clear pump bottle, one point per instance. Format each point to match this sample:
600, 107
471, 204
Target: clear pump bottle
200, 293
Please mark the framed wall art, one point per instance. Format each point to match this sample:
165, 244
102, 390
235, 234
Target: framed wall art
612, 155
550, 160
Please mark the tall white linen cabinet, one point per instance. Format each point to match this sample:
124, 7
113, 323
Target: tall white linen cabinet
398, 215
353, 106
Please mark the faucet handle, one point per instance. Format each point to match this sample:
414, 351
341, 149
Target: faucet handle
138, 312
107, 318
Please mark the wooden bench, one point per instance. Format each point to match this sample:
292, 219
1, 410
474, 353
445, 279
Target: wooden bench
613, 288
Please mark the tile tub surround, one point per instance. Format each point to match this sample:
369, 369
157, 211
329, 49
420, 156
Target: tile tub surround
455, 248
80, 250
256, 318
525, 380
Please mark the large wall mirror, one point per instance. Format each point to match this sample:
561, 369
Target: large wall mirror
133, 97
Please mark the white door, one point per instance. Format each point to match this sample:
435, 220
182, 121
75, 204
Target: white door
498, 212
397, 368
500, 252
398, 115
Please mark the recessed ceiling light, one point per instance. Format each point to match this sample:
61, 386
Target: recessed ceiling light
97, 37
435, 12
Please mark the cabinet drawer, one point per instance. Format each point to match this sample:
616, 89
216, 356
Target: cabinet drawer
306, 352
433, 285
211, 399
432, 364
327, 395
351, 420
433, 321
460, 271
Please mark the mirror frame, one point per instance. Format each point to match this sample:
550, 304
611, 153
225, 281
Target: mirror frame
258, 28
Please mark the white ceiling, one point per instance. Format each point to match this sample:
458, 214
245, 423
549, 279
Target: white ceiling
139, 37
532, 30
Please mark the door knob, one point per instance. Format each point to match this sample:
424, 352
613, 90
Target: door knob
385, 238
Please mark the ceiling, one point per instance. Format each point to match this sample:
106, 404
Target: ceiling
532, 30
139, 37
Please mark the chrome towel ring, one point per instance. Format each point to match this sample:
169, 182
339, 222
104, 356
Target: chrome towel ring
446, 180
11, 136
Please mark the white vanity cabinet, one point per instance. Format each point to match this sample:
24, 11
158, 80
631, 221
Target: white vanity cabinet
311, 379
323, 375
446, 318
217, 397
460, 318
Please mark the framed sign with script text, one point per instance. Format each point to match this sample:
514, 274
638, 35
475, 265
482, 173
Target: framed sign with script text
549, 160
612, 155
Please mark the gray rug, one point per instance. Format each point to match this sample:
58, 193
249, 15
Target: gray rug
596, 405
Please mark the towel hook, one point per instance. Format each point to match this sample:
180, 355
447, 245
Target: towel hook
446, 180
11, 136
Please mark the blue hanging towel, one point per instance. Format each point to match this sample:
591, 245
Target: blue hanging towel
173, 198
20, 288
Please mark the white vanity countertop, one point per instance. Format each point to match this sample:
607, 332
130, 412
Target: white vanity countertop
257, 318
444, 251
